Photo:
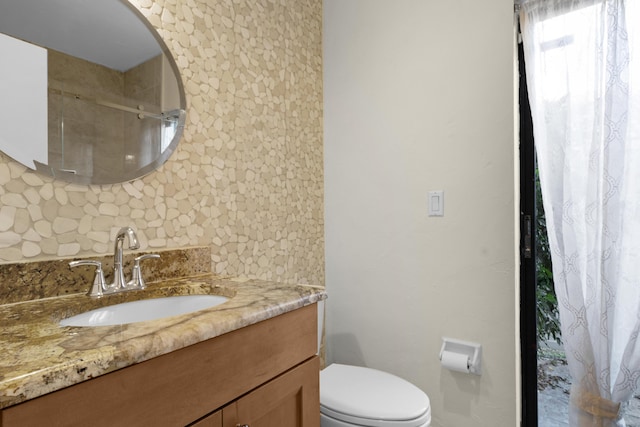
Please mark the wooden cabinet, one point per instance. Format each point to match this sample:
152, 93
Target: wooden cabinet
264, 375
213, 420
290, 400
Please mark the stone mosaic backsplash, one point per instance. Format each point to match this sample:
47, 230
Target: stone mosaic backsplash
247, 177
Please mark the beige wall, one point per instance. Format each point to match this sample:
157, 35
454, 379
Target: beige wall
419, 97
247, 178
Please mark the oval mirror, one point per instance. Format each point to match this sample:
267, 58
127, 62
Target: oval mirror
92, 94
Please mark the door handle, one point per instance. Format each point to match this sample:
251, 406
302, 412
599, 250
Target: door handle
528, 251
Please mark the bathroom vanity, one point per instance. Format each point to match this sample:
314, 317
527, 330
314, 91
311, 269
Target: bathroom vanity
267, 371
250, 361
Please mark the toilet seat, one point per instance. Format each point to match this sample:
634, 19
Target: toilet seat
372, 398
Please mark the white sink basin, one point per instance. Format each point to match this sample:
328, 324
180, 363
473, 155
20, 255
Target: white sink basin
143, 310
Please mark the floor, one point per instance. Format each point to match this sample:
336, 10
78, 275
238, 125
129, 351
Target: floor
554, 383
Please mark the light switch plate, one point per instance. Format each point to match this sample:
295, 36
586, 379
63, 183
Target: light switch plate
436, 203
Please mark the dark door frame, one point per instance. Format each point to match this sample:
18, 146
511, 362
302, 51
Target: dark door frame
528, 313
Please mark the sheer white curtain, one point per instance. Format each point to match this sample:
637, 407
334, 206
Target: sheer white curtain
583, 71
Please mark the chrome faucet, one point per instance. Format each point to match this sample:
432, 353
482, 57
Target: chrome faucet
119, 284
118, 273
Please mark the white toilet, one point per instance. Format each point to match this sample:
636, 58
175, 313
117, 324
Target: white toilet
353, 396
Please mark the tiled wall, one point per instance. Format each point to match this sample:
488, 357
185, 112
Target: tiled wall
143, 85
79, 128
247, 178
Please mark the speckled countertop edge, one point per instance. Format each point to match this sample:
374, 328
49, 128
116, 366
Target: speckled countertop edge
40, 357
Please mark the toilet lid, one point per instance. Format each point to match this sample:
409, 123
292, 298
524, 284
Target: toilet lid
370, 397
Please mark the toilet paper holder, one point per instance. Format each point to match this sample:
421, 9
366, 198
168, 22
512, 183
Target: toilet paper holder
472, 351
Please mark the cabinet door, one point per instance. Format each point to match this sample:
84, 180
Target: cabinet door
212, 420
290, 400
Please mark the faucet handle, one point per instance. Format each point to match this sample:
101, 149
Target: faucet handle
136, 274
98, 286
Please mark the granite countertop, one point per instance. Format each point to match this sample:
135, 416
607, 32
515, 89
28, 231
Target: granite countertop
39, 356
